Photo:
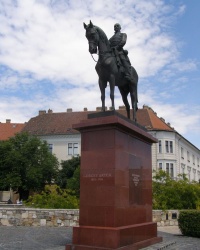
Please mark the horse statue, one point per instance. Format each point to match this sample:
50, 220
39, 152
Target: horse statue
108, 70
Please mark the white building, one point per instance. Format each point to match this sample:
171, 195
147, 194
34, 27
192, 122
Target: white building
173, 153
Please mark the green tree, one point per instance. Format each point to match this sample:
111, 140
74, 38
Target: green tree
174, 194
26, 164
54, 197
74, 182
67, 171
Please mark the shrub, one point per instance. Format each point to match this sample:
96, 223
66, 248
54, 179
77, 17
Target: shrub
174, 194
189, 223
54, 197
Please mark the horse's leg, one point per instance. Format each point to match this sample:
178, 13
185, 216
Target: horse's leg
112, 91
124, 94
133, 94
102, 87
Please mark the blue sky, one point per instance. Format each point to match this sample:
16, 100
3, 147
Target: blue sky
45, 63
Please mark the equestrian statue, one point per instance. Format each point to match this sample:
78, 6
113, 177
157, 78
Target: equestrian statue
113, 66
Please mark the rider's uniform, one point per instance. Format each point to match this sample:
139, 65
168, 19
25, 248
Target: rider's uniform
117, 42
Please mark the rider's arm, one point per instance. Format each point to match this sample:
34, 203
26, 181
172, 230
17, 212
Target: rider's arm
123, 41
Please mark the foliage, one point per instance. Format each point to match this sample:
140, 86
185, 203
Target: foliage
74, 182
188, 222
174, 194
67, 172
54, 197
26, 164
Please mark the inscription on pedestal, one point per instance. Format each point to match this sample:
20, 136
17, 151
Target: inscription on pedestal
135, 180
96, 175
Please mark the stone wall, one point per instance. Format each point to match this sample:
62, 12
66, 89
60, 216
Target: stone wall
21, 216
38, 217
166, 218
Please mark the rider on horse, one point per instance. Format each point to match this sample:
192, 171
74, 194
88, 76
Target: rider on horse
117, 42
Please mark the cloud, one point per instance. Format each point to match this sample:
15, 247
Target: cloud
45, 63
47, 38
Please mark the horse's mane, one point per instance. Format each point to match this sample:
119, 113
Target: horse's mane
102, 35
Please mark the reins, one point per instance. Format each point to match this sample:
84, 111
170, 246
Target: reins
100, 53
93, 58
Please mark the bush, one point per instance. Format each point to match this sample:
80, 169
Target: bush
189, 223
54, 197
174, 194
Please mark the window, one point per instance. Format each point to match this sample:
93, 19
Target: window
197, 162
160, 165
72, 148
50, 146
169, 146
182, 153
198, 172
183, 168
170, 169
166, 146
189, 171
194, 174
193, 159
188, 156
167, 168
159, 146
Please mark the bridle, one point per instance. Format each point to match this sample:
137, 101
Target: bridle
100, 52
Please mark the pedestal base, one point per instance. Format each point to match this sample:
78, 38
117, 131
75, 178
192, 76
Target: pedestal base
116, 186
126, 238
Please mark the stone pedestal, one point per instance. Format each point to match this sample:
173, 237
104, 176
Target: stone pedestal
116, 186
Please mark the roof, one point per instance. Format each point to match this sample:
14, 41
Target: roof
9, 129
61, 123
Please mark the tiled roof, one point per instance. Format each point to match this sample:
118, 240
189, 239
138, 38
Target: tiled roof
61, 123
8, 130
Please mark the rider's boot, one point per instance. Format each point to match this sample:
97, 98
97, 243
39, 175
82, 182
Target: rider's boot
127, 70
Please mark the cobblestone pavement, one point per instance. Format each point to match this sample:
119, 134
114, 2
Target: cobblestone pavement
55, 238
34, 238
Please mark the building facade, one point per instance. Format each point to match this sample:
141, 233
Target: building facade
173, 153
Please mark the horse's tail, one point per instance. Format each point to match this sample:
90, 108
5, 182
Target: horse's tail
134, 75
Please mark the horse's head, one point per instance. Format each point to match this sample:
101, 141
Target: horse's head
93, 37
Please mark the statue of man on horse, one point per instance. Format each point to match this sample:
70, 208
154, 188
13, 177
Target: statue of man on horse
117, 42
109, 67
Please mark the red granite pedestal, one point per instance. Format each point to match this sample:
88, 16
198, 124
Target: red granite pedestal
116, 186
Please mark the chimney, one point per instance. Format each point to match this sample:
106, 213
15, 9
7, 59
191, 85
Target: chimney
145, 106
69, 110
162, 119
50, 111
122, 107
85, 109
98, 108
42, 112
8, 120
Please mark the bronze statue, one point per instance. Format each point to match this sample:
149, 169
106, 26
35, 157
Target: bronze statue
117, 42
109, 64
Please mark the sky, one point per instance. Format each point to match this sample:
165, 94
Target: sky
45, 62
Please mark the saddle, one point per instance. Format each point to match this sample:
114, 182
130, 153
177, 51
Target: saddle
118, 61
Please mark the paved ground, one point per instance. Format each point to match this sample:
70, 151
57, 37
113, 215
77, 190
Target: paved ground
46, 238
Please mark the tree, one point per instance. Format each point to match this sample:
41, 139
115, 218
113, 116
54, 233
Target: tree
67, 171
174, 194
26, 164
54, 197
74, 182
